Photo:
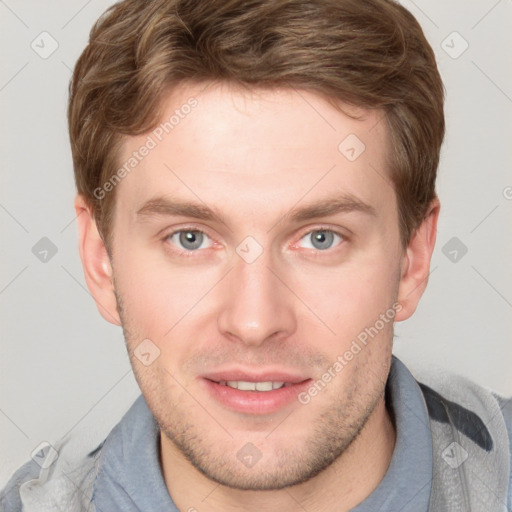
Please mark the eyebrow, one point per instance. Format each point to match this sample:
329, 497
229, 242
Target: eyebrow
165, 206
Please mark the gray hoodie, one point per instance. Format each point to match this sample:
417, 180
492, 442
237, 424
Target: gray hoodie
452, 453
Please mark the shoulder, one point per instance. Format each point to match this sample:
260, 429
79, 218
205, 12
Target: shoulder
10, 499
505, 404
476, 411
63, 478
446, 392
64, 484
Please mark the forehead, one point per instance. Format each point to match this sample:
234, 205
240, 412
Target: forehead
252, 149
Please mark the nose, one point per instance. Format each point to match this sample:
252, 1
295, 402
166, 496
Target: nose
256, 305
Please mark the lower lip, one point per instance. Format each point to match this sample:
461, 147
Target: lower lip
255, 402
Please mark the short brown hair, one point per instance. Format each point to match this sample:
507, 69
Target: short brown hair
367, 53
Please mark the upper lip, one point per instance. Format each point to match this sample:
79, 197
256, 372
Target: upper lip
253, 376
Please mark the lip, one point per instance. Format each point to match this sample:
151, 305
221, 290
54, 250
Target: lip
254, 402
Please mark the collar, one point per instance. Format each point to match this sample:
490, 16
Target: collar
407, 484
130, 477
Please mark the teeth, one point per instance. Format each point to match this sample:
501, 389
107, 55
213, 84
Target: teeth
264, 386
252, 386
243, 386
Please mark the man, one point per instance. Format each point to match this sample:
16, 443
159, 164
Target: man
256, 208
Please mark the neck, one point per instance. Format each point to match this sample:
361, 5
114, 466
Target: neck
341, 486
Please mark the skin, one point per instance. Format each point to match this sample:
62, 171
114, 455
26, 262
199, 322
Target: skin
254, 157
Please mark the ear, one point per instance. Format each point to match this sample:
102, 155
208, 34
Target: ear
96, 262
416, 263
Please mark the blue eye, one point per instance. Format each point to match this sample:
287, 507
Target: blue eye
192, 240
188, 239
322, 239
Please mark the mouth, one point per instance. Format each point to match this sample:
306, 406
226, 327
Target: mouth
244, 385
252, 394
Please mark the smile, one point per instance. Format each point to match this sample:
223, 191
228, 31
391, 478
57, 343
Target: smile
254, 397
253, 386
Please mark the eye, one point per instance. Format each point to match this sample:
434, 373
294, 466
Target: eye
321, 239
189, 239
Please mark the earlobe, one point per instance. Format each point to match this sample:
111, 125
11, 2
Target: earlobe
416, 263
96, 262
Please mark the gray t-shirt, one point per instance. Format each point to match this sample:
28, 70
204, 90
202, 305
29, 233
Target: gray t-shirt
130, 477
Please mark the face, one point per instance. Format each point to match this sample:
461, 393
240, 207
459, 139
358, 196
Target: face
254, 243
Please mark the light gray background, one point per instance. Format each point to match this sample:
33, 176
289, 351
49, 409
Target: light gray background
62, 365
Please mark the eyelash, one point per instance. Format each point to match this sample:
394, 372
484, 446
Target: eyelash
186, 253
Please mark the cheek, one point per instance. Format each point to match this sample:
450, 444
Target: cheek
353, 294
157, 293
